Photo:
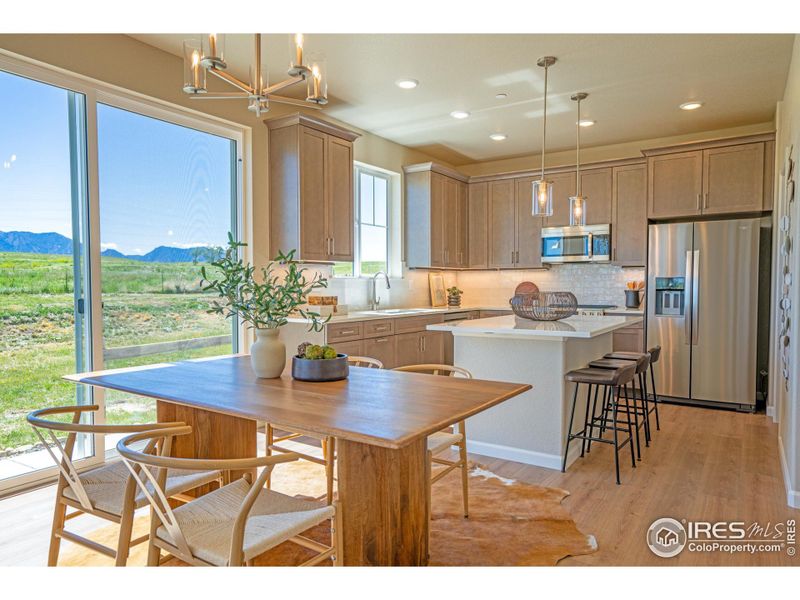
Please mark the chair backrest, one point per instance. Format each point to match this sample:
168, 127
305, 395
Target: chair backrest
149, 467
434, 369
46, 429
655, 353
364, 361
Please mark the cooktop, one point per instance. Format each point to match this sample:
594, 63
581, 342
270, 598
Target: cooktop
596, 306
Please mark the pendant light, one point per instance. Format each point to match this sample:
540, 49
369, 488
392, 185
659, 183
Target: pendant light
577, 203
542, 197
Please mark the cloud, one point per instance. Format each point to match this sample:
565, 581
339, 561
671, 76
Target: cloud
191, 245
109, 246
170, 232
13, 157
6, 164
138, 251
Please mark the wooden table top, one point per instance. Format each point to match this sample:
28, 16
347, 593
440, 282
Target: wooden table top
373, 406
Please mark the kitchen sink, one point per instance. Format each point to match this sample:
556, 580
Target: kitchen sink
398, 311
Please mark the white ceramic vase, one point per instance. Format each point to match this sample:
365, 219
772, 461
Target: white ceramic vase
268, 354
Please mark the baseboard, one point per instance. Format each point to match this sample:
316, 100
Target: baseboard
792, 495
528, 457
771, 412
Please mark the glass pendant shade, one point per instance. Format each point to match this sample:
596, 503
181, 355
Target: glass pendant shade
542, 198
213, 51
317, 82
297, 61
194, 75
577, 210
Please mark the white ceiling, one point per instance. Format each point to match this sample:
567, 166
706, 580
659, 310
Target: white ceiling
635, 84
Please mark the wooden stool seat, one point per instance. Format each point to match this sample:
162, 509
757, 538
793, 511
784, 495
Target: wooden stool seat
598, 376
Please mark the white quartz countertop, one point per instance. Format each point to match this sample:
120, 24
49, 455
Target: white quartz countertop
516, 327
398, 313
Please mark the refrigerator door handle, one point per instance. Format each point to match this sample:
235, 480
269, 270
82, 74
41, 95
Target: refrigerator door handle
696, 297
687, 300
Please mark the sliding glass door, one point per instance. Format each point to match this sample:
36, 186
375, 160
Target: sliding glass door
168, 198
44, 320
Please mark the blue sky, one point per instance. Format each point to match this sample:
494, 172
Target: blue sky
160, 184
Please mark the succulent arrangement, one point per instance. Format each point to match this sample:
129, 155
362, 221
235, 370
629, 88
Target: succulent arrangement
454, 296
311, 351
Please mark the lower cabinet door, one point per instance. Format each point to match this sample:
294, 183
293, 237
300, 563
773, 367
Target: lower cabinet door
408, 348
628, 339
355, 348
382, 348
432, 347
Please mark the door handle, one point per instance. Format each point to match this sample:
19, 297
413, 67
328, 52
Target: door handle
591, 244
699, 201
333, 246
512, 257
705, 200
695, 297
687, 300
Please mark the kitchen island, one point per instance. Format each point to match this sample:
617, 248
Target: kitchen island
530, 428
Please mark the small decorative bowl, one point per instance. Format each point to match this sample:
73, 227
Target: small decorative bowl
324, 369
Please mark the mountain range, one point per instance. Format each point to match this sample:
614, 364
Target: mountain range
55, 243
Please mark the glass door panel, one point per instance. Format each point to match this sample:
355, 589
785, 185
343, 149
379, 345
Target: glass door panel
168, 198
44, 330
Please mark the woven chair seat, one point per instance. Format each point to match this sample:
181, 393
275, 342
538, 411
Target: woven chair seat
441, 440
207, 523
105, 485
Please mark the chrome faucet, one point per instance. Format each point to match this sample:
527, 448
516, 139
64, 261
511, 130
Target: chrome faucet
374, 301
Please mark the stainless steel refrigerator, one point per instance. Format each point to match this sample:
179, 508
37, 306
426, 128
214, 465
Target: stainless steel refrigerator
702, 309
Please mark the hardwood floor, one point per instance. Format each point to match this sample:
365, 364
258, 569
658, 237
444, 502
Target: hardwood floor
704, 464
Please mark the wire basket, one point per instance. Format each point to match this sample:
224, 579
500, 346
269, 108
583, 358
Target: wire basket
544, 306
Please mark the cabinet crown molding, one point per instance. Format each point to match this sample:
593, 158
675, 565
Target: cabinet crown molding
314, 123
436, 168
710, 143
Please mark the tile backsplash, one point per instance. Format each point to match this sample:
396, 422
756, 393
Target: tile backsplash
591, 284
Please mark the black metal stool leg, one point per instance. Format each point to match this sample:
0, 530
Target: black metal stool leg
645, 407
635, 418
613, 402
569, 431
630, 431
655, 396
592, 418
586, 419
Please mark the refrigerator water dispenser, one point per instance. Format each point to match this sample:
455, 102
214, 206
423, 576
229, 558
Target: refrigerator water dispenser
669, 296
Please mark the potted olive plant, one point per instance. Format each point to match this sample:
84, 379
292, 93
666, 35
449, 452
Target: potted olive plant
264, 304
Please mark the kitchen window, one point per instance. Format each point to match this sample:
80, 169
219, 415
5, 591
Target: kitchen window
372, 197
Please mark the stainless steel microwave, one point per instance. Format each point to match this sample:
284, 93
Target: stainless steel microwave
579, 243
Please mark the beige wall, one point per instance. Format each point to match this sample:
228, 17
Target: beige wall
788, 403
128, 63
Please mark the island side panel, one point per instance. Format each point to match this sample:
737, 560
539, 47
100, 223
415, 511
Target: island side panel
530, 428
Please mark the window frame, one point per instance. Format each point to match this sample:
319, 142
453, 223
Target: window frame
95, 92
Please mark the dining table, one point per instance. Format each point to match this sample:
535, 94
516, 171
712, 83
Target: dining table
380, 418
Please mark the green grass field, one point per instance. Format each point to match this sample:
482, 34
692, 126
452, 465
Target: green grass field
143, 303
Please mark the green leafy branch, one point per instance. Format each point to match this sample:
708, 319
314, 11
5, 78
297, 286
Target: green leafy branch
266, 304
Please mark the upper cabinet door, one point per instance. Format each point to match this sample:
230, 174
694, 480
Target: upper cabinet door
478, 207
314, 238
596, 185
341, 223
450, 222
438, 203
629, 220
563, 188
502, 224
529, 228
733, 179
675, 184
462, 244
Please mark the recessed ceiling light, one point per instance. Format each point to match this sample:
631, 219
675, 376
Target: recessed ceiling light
459, 114
407, 84
498, 137
691, 105
586, 122
501, 96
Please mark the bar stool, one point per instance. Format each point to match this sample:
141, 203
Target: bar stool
614, 383
642, 362
655, 354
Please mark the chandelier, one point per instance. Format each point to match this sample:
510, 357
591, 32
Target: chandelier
207, 55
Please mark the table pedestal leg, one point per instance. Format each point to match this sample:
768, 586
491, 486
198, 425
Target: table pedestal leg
214, 435
384, 503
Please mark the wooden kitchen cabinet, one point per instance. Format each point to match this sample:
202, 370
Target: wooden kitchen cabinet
712, 178
408, 349
502, 224
436, 217
528, 228
384, 349
432, 352
477, 230
597, 186
733, 179
311, 188
563, 188
629, 216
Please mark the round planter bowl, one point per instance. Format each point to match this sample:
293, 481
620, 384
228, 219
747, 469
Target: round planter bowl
324, 369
